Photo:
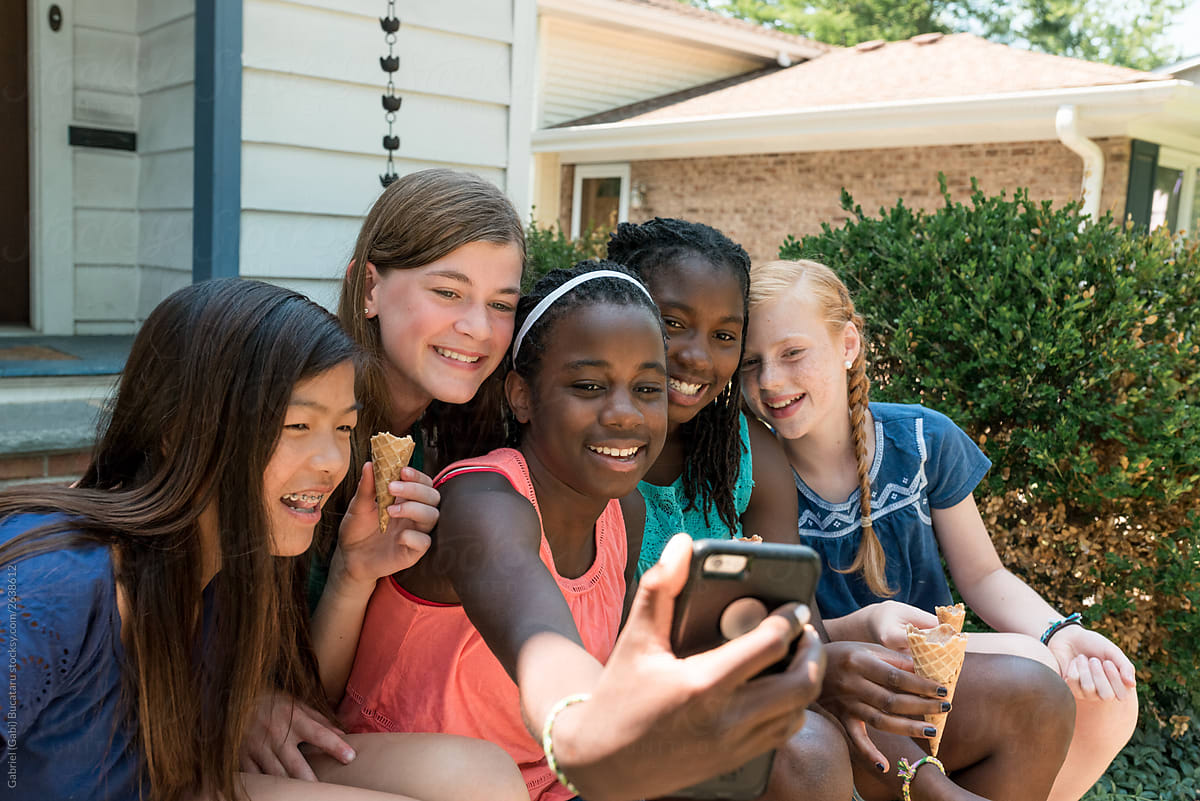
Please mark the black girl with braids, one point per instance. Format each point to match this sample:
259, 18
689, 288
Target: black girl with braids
721, 474
507, 629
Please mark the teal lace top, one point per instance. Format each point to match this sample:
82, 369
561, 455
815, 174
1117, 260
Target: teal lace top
667, 513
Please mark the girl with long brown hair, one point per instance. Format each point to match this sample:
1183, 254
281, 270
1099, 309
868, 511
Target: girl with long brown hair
430, 294
149, 606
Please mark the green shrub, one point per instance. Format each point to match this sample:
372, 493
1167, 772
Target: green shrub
1162, 761
549, 248
1071, 355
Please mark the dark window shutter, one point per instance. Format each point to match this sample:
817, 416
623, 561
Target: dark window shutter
1143, 161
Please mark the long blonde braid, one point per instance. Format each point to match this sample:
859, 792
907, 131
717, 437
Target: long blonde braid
870, 559
772, 280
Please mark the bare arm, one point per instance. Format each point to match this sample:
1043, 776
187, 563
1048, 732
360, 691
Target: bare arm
633, 509
1001, 599
488, 541
654, 723
773, 508
1092, 665
363, 556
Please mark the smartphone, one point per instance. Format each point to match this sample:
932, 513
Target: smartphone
732, 585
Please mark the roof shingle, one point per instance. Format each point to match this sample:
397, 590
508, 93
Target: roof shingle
957, 65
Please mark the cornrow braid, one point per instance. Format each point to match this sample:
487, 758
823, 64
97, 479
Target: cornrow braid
712, 445
770, 281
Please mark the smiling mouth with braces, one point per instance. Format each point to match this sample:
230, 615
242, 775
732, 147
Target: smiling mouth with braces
618, 452
686, 389
302, 497
458, 357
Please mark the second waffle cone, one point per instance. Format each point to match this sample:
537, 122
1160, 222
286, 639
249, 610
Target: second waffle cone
390, 455
937, 655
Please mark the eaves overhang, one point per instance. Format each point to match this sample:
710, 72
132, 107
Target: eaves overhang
1161, 109
735, 38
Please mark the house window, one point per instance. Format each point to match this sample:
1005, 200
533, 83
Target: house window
1176, 199
600, 198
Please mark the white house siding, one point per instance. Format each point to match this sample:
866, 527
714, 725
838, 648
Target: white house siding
166, 81
312, 122
132, 71
584, 69
104, 80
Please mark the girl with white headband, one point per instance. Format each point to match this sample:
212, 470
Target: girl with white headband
507, 629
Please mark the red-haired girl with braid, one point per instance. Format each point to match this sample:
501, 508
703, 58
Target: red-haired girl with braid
885, 493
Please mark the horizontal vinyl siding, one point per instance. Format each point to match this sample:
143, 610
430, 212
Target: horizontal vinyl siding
105, 218
166, 83
584, 72
312, 122
485, 19
278, 245
345, 48
271, 180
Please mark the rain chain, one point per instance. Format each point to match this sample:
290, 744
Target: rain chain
391, 103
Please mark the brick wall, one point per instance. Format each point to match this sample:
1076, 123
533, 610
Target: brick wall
53, 468
759, 199
566, 191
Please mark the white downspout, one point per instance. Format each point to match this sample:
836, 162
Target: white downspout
1066, 126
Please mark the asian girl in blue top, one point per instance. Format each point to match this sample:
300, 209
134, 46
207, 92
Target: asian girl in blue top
149, 604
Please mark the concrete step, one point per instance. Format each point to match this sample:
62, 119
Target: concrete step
52, 391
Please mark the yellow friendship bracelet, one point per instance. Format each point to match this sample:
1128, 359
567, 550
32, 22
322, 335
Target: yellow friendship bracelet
548, 741
909, 772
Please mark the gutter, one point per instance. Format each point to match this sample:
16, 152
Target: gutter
1066, 125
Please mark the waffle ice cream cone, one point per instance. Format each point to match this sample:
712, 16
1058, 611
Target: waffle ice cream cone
951, 615
937, 655
389, 455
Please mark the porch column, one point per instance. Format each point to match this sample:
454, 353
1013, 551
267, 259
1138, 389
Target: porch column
217, 178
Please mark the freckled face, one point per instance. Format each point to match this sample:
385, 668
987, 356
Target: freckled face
597, 409
310, 458
702, 308
446, 326
793, 374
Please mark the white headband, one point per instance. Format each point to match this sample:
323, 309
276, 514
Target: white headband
548, 301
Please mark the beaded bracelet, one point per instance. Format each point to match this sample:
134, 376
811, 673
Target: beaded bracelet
1073, 619
548, 742
909, 772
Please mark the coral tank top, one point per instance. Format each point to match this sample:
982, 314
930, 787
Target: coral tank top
423, 667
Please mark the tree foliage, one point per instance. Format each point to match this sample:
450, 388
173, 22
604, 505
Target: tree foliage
1125, 32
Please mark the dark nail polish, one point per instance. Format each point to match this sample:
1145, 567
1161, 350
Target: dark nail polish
930, 731
943, 692
945, 706
882, 768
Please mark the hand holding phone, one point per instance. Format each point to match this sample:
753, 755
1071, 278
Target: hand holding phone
732, 585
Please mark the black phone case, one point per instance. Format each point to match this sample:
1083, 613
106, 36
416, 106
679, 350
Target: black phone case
775, 574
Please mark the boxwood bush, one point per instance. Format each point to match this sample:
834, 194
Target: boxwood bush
548, 248
1070, 351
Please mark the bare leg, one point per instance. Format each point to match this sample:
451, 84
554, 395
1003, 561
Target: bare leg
1005, 739
1102, 728
429, 767
272, 788
814, 766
